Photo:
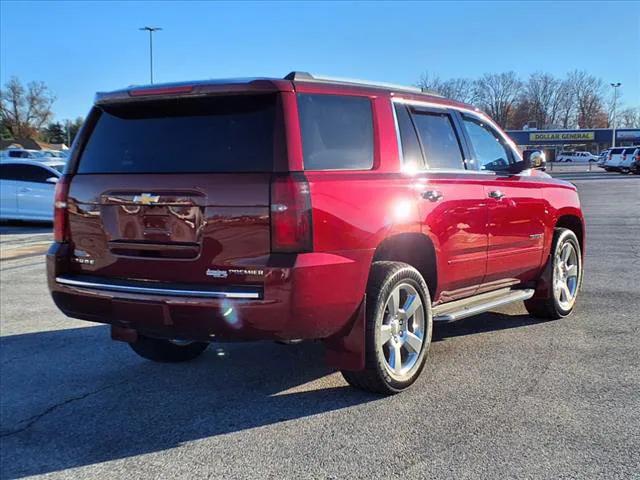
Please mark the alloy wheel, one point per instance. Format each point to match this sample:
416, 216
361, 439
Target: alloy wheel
401, 334
567, 275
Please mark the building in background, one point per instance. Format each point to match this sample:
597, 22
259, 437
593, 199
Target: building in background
591, 140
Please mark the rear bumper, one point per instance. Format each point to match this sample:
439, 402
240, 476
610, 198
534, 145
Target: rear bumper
316, 296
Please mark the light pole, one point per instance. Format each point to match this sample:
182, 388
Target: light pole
613, 119
150, 30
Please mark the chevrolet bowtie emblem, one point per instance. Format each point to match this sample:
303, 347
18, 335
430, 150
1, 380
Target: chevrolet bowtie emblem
146, 199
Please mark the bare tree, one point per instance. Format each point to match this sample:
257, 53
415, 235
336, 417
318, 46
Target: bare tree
546, 96
497, 94
25, 110
460, 89
628, 118
430, 82
588, 92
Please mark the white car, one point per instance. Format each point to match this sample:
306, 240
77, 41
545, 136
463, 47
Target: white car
628, 157
576, 157
615, 158
27, 188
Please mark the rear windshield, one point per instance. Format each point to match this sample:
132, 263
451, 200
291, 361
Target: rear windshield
183, 135
616, 150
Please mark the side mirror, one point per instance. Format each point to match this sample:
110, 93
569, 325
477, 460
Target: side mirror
53, 180
534, 159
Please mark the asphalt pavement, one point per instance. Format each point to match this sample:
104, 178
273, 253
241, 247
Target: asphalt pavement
503, 395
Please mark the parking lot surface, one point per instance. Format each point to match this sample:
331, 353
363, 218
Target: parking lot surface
503, 395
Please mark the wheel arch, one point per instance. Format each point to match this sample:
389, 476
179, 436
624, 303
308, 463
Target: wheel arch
575, 224
415, 249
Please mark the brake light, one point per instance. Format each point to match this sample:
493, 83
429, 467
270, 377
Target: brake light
60, 214
139, 92
291, 214
624, 157
609, 156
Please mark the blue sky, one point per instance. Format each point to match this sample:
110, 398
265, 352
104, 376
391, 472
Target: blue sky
78, 48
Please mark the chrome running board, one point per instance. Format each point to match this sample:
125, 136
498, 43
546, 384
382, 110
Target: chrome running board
467, 307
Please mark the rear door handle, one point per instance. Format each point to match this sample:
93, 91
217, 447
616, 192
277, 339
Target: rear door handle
497, 194
432, 195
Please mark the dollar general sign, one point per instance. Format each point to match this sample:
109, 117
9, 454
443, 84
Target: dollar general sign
560, 136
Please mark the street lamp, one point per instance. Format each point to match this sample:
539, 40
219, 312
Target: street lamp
613, 119
150, 30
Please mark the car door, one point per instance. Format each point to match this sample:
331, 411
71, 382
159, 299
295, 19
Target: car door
8, 194
452, 206
516, 208
35, 192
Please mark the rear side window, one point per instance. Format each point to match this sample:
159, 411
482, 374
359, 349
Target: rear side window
25, 173
337, 132
183, 135
439, 140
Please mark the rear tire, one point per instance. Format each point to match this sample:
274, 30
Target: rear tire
564, 282
398, 329
167, 351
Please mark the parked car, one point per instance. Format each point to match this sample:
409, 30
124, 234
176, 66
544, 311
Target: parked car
602, 158
614, 159
628, 157
576, 157
27, 189
635, 165
305, 208
20, 153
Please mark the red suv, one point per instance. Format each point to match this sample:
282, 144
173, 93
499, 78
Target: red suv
305, 208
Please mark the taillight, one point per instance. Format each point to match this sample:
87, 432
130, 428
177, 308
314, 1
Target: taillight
624, 157
291, 214
609, 157
60, 220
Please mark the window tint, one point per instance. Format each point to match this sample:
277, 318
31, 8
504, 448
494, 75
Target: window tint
487, 145
337, 132
18, 154
411, 154
439, 141
216, 134
25, 173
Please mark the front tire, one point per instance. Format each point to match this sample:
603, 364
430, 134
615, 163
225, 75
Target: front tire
167, 351
398, 329
564, 277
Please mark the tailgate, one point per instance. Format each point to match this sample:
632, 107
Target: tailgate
184, 228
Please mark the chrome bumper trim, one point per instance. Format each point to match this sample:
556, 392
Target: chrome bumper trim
155, 291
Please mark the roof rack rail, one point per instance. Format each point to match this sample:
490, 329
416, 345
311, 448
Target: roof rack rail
307, 77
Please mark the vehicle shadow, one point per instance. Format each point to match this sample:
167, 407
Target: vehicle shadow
486, 322
71, 398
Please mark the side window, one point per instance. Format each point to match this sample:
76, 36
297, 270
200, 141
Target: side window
488, 146
439, 140
9, 172
411, 153
337, 132
25, 173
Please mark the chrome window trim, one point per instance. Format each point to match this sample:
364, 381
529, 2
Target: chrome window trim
444, 108
398, 139
155, 291
472, 111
